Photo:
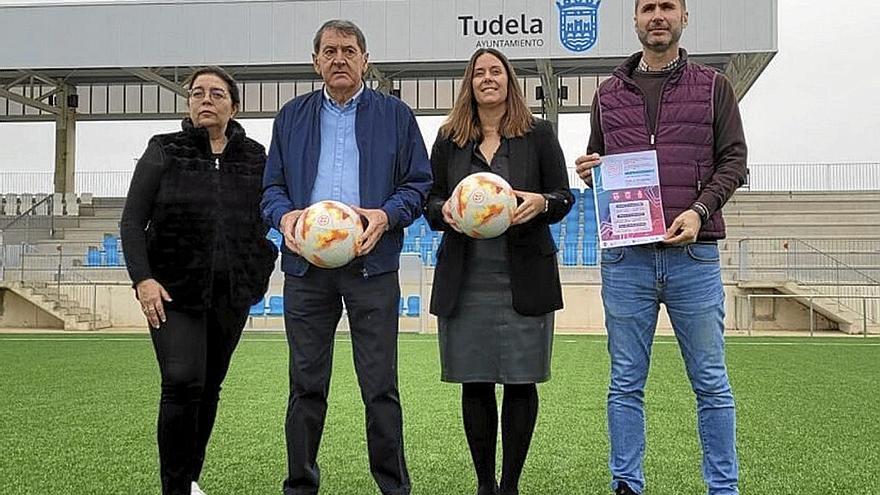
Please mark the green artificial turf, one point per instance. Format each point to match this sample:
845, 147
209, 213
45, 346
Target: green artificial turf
78, 415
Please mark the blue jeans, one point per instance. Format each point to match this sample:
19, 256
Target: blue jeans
635, 281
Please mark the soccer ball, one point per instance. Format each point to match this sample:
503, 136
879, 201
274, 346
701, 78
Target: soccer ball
328, 233
483, 205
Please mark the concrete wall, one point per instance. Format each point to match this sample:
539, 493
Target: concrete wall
18, 312
118, 302
583, 312
779, 315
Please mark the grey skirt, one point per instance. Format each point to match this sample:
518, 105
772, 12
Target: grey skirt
486, 340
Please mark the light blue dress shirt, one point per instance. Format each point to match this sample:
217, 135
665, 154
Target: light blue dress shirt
339, 165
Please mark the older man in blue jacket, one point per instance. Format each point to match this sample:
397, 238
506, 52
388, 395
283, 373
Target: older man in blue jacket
350, 144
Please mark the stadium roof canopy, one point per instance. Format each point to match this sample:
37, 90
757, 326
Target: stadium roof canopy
126, 59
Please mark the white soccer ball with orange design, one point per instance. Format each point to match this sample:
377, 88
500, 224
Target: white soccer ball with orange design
328, 233
483, 205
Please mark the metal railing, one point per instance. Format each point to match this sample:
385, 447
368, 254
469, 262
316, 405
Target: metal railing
22, 228
33, 266
795, 260
762, 177
857, 176
865, 319
76, 260
105, 184
805, 262
83, 292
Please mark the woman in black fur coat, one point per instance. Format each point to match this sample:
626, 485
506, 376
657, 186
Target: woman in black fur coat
196, 250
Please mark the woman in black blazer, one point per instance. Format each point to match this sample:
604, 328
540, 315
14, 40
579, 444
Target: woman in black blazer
495, 298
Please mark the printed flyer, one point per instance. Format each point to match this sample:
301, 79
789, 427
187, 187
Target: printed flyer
629, 209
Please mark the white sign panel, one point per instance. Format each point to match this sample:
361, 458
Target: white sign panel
266, 32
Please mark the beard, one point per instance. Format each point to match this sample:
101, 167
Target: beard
656, 45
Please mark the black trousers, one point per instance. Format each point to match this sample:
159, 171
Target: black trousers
312, 308
193, 350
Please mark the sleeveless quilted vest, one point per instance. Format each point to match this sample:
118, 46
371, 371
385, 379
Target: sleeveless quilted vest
684, 134
200, 199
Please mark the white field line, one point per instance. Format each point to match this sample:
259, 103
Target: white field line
728, 343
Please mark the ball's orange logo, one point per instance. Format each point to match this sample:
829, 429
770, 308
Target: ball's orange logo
331, 236
488, 213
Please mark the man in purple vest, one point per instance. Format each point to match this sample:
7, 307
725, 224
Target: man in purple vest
658, 100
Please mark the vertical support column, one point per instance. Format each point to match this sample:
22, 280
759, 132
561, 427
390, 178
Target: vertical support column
385, 84
65, 141
550, 87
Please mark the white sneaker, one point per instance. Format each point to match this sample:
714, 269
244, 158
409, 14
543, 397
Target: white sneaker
196, 490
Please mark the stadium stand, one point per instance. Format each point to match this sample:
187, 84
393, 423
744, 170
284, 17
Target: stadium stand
767, 231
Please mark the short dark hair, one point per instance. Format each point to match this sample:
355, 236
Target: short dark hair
682, 2
345, 27
231, 83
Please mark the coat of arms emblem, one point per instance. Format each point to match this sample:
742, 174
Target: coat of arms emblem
578, 23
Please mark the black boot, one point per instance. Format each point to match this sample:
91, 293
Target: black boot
624, 489
488, 490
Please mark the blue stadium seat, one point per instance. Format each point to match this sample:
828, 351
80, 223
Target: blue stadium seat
438, 239
413, 306
111, 255
569, 253
276, 237
259, 308
590, 251
426, 253
110, 241
572, 227
590, 230
276, 306
573, 218
410, 241
589, 212
93, 256
400, 307
556, 232
578, 196
420, 227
